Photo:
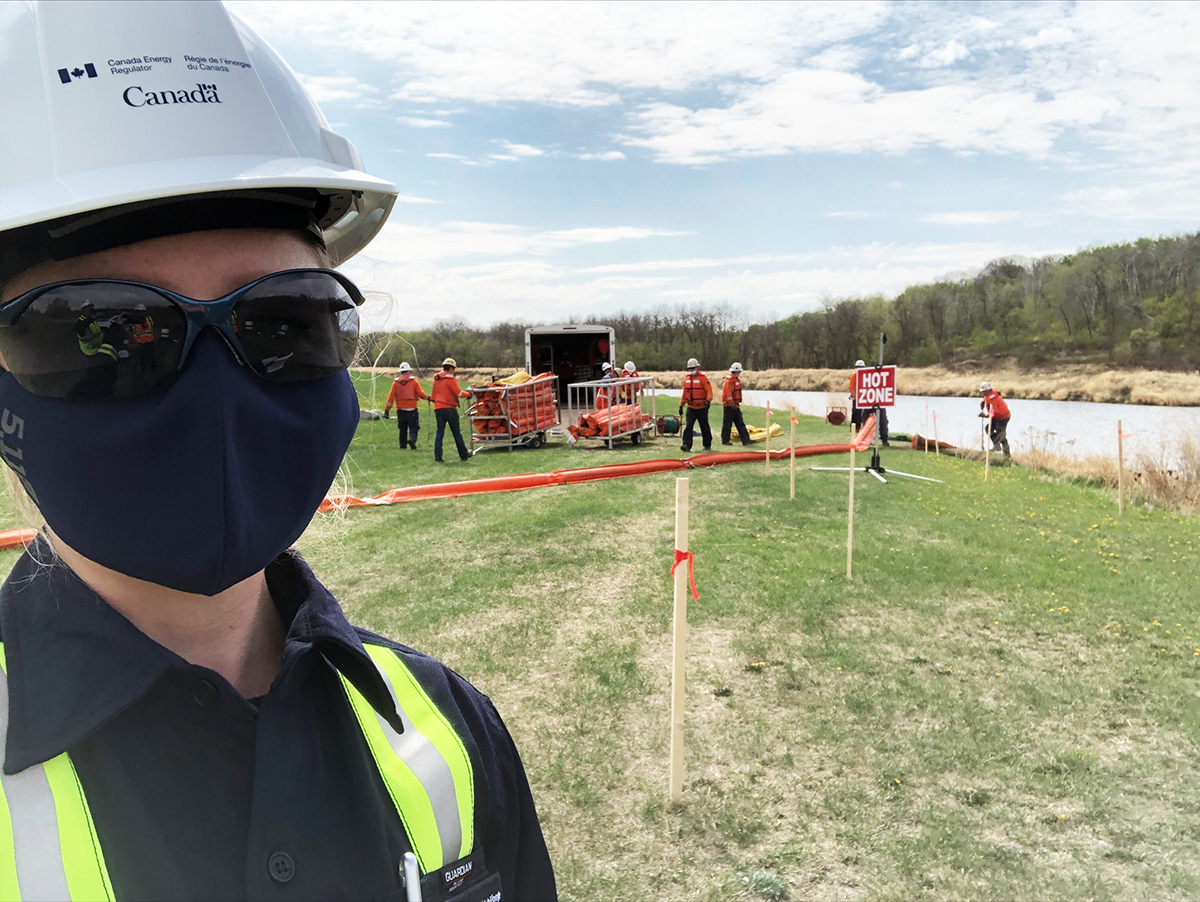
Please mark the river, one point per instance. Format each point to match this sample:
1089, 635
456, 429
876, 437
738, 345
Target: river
1075, 428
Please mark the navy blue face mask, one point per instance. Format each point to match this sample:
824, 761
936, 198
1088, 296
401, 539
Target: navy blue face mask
195, 488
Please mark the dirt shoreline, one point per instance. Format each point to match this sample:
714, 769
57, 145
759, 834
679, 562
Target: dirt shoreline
1070, 382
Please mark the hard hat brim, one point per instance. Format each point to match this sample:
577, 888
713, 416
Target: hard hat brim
99, 189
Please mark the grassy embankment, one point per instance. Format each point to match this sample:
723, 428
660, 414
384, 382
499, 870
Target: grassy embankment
1002, 704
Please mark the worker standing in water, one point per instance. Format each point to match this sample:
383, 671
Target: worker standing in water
697, 398
446, 393
731, 398
993, 406
405, 393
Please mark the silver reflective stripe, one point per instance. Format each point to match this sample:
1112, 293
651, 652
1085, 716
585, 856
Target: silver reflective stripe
431, 769
40, 872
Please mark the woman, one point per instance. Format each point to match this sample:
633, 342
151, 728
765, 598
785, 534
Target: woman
189, 715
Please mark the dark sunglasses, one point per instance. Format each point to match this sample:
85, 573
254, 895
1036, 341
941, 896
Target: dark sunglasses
108, 338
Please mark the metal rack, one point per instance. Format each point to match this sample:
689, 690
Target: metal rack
524, 412
610, 392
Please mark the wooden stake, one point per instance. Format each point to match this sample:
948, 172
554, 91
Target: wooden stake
987, 449
926, 427
679, 633
1120, 470
937, 448
850, 522
767, 443
793, 495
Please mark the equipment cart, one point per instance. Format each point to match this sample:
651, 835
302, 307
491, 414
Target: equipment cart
618, 412
504, 415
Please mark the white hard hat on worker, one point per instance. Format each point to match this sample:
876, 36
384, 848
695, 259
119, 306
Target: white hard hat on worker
693, 363
214, 110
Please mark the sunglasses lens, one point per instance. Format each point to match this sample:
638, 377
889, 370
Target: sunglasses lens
297, 326
95, 340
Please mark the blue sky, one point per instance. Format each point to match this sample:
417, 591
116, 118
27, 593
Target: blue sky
560, 160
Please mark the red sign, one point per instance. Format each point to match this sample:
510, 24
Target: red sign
875, 386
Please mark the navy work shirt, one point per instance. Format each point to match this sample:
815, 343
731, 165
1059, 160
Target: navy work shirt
197, 793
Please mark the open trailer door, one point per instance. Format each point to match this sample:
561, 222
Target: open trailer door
572, 352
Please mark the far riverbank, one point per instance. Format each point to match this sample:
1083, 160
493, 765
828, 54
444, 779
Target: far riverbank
1072, 382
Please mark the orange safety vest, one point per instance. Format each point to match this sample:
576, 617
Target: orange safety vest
446, 391
992, 401
404, 394
731, 391
697, 390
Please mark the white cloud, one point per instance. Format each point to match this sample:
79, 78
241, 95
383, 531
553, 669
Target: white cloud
788, 78
413, 199
947, 55
567, 54
422, 122
516, 151
488, 272
604, 155
450, 240
337, 88
847, 214
445, 156
971, 217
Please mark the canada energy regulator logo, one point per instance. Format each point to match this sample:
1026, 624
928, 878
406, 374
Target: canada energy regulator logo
137, 96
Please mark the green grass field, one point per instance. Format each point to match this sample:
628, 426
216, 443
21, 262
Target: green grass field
1004, 703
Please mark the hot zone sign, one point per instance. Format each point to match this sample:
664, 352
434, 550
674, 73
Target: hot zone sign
875, 386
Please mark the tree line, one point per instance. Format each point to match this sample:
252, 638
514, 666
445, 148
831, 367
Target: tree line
1133, 304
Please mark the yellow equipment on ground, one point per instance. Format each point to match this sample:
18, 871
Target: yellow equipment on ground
758, 434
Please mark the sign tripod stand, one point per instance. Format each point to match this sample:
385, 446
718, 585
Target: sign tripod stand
880, 382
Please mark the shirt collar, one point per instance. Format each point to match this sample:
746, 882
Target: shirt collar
73, 662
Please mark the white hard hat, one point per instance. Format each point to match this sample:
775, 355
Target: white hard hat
606, 366
162, 102
629, 367
405, 368
736, 368
859, 363
985, 386
693, 363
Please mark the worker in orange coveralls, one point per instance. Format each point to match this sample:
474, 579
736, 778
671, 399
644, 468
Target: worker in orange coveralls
731, 398
697, 398
446, 392
405, 393
993, 405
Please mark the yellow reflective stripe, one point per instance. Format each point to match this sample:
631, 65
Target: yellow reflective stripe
83, 860
9, 888
78, 854
408, 795
430, 721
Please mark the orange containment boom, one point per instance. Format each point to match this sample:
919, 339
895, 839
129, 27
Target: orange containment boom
16, 538
581, 474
